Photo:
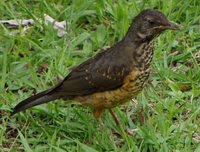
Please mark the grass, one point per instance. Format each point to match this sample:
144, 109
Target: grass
36, 60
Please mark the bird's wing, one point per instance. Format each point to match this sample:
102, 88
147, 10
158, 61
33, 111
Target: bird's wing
95, 75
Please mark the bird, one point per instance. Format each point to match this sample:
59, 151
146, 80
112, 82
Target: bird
113, 76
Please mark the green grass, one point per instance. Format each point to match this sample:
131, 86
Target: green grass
170, 101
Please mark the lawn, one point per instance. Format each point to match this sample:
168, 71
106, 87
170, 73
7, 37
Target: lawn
36, 59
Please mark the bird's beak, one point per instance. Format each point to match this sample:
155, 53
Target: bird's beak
172, 26
169, 26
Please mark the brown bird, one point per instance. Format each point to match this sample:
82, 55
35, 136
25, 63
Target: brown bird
113, 76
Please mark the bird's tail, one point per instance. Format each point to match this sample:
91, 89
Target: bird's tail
37, 99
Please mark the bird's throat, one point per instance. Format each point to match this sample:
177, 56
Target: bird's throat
143, 54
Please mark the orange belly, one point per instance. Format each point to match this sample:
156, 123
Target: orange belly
109, 99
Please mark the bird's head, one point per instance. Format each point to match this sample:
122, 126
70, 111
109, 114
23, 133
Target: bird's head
149, 24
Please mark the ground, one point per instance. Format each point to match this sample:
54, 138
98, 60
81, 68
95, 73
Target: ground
36, 59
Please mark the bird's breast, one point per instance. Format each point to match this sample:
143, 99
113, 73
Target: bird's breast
142, 56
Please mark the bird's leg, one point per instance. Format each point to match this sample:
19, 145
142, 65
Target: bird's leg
141, 116
118, 122
97, 115
115, 117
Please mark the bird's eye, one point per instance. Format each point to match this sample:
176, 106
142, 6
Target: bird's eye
150, 21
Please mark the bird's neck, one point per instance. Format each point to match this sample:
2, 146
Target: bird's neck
141, 43
143, 55
137, 37
142, 52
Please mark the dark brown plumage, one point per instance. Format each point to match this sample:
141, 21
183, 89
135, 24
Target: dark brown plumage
114, 76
